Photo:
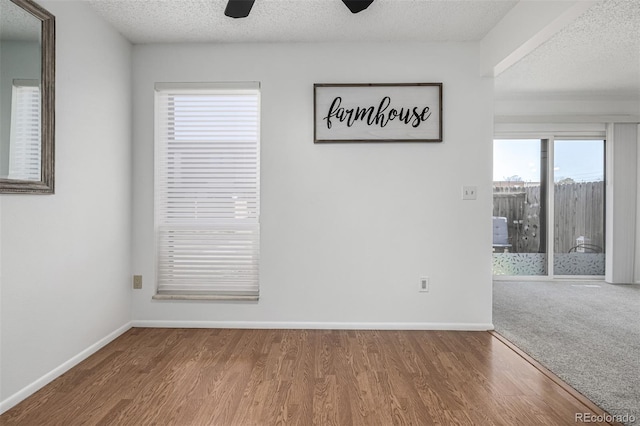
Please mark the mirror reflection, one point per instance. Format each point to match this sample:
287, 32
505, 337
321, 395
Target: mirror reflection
20, 94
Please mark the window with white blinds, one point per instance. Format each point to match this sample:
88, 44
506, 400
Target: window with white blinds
24, 135
207, 189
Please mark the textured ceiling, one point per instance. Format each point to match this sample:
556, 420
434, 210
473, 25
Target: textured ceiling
160, 21
598, 55
16, 24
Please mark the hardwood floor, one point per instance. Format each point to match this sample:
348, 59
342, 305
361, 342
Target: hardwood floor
301, 377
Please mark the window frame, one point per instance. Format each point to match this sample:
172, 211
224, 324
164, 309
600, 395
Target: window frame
212, 227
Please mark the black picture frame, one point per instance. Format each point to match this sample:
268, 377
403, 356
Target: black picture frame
377, 112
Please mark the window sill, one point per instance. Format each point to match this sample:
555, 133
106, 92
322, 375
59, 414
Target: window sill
204, 297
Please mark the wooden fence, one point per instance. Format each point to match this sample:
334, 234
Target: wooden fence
579, 212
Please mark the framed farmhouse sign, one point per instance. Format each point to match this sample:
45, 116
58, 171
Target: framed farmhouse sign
404, 112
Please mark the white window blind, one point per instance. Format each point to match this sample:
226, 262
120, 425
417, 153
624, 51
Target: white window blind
24, 136
207, 189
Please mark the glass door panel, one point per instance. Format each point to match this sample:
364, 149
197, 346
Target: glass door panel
519, 194
579, 200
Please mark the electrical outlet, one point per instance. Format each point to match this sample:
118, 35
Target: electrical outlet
424, 285
469, 192
137, 282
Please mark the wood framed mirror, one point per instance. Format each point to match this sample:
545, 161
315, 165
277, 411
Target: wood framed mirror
27, 98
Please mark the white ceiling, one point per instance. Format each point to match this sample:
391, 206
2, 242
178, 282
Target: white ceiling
152, 21
598, 54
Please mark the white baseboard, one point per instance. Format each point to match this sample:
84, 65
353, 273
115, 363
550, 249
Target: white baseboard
30, 389
316, 325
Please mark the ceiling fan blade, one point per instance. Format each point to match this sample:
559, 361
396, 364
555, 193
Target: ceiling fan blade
238, 8
356, 6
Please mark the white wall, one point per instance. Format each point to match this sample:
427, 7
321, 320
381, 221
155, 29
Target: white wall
65, 258
347, 229
564, 115
586, 108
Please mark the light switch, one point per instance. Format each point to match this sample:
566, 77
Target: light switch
469, 192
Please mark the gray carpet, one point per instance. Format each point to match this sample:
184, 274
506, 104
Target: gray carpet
587, 333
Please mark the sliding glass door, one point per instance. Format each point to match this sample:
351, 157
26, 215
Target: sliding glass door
519, 213
528, 212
